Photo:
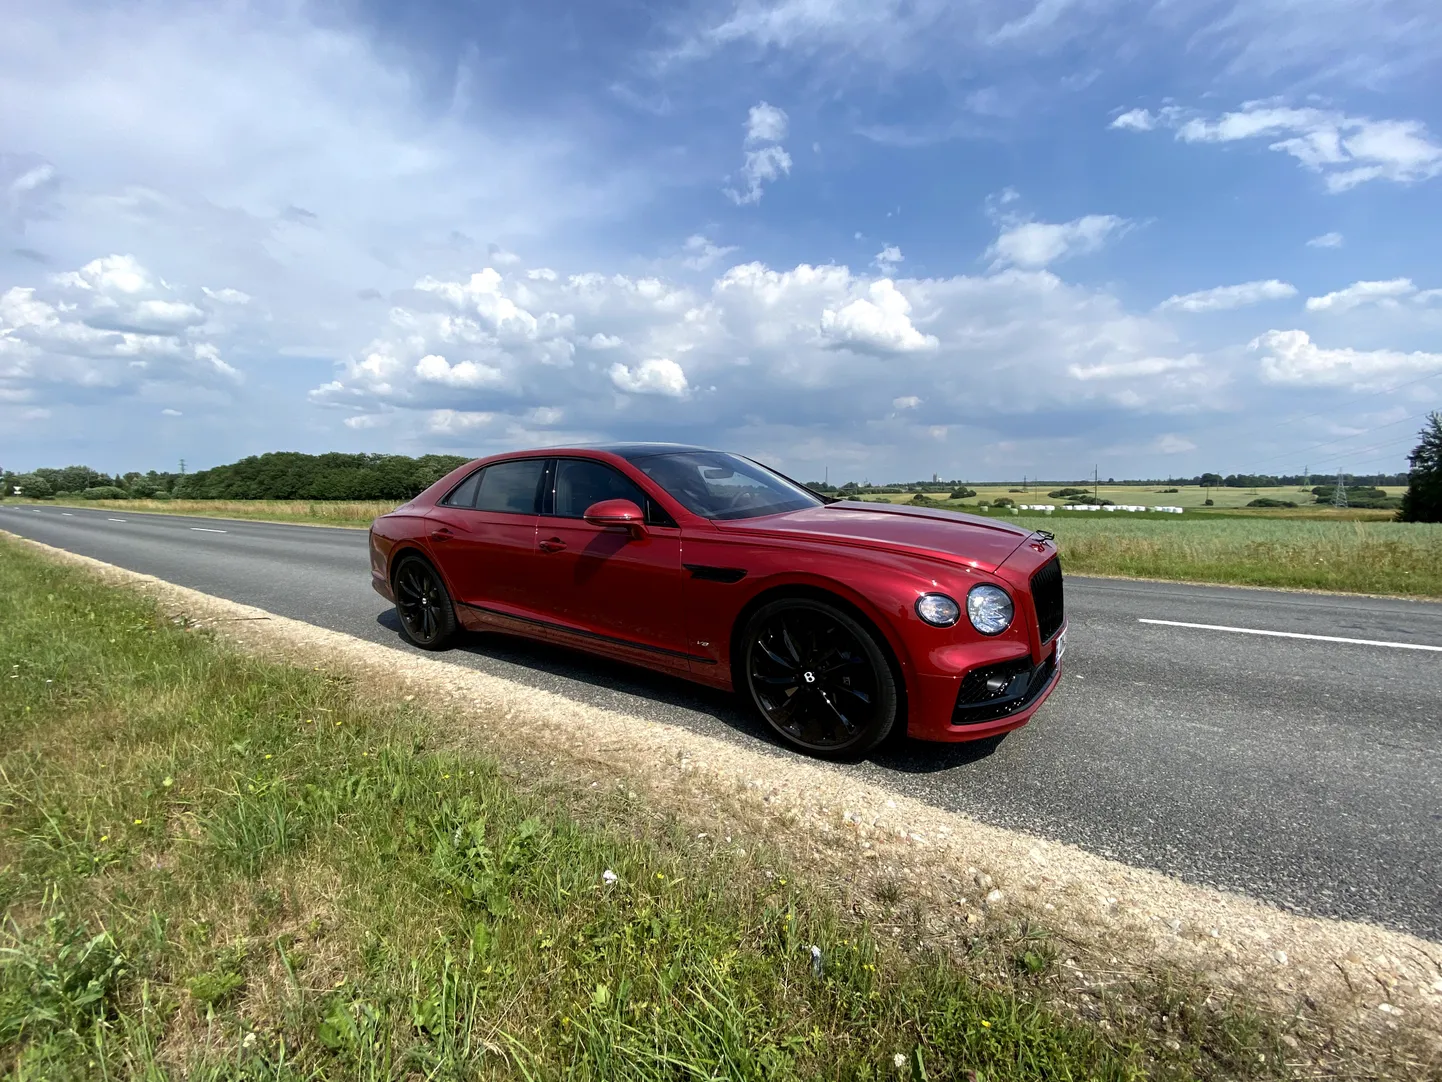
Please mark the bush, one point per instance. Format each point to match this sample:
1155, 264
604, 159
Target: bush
1171, 490
921, 497
962, 493
1063, 493
105, 492
31, 487
1002, 501
1088, 500
1207, 503
1267, 501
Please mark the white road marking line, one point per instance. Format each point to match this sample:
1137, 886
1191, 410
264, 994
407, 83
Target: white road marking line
205, 529
67, 514
115, 520
1295, 635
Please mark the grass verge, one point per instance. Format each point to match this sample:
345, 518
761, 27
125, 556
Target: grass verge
354, 513
217, 867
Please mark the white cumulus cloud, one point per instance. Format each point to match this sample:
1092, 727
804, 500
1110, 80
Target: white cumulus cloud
1037, 244
769, 161
1222, 298
434, 368
109, 324
766, 124
657, 376
877, 323
1345, 150
888, 259
1292, 357
760, 168
1360, 293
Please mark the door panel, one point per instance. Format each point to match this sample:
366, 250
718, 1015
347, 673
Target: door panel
484, 536
601, 580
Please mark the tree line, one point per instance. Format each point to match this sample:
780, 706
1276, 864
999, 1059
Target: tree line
280, 475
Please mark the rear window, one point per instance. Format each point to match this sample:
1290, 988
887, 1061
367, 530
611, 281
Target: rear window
506, 486
464, 494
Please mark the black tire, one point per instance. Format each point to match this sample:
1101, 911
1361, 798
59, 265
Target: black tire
818, 677
428, 619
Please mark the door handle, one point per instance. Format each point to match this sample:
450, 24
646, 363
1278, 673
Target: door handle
554, 544
441, 535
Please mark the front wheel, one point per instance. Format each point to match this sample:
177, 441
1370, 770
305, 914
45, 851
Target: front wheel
819, 678
428, 619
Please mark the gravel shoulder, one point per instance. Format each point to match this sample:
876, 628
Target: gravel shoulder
1116, 921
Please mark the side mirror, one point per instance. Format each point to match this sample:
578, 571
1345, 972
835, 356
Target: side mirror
622, 513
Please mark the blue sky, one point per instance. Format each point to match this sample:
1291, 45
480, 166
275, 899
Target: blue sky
882, 238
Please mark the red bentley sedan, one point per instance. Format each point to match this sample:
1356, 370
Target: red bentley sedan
838, 620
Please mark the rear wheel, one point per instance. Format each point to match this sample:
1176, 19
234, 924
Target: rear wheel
819, 678
427, 617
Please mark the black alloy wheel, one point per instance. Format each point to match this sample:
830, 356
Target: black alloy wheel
819, 678
427, 616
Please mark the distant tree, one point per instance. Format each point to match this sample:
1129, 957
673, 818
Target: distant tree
1267, 501
1209, 479
32, 487
1422, 501
850, 487
962, 493
72, 478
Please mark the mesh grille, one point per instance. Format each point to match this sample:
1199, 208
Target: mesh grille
1046, 595
975, 704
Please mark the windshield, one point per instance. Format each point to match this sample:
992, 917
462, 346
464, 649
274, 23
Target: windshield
716, 485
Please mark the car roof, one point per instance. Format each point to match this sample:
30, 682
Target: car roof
632, 451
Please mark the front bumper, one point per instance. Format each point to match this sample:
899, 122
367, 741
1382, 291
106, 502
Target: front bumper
951, 709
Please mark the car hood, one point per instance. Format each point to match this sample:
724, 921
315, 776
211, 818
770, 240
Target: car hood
947, 535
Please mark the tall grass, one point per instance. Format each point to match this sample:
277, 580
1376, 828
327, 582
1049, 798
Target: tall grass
318, 512
213, 867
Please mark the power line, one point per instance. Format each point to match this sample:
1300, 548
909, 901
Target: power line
1341, 439
1369, 394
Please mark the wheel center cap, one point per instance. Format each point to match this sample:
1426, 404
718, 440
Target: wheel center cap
809, 677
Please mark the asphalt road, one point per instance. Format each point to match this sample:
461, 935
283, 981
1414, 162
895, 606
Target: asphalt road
1307, 773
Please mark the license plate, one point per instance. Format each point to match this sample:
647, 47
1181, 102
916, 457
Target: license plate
1060, 645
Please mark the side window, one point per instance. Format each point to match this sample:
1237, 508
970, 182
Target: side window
464, 494
510, 486
579, 484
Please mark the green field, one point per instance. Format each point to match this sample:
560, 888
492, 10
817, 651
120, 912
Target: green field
214, 867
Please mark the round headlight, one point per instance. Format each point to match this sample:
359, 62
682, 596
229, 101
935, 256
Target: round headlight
938, 610
990, 609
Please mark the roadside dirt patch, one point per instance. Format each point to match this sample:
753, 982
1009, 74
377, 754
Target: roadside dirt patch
920, 874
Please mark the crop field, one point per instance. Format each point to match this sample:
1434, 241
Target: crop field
216, 867
1191, 497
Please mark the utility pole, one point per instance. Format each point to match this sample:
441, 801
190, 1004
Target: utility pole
1096, 486
1306, 476
1339, 494
182, 467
